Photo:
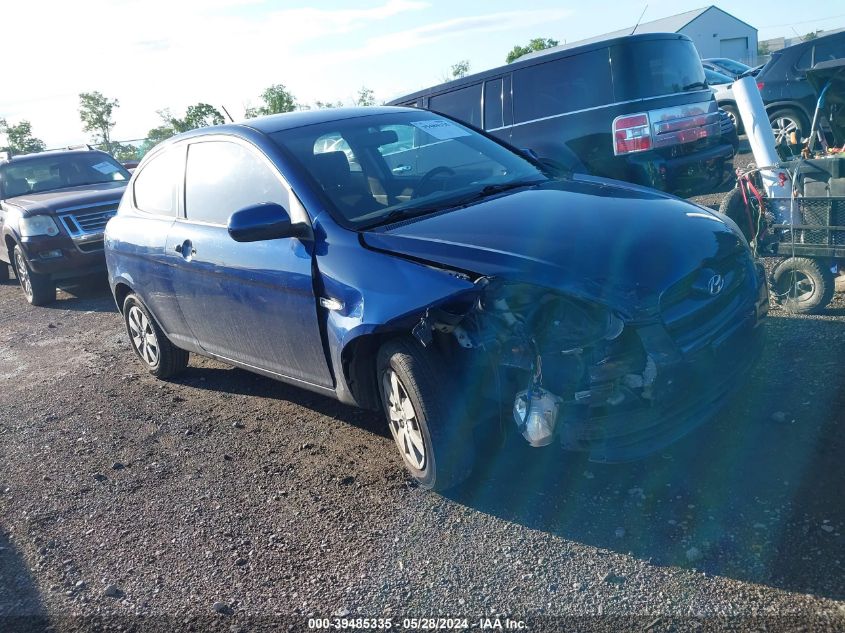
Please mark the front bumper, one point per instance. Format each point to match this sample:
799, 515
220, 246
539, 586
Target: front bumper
689, 390
62, 258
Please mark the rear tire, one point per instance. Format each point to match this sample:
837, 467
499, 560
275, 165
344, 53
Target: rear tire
733, 206
161, 357
427, 425
38, 289
802, 285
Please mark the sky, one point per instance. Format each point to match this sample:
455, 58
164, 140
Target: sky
156, 54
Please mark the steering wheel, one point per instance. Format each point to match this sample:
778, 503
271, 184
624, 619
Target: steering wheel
428, 176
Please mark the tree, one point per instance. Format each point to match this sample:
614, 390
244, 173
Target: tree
537, 44
460, 69
197, 115
156, 136
810, 36
324, 105
763, 49
276, 99
19, 138
365, 97
96, 113
124, 153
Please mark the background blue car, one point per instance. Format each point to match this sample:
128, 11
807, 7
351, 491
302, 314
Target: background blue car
395, 258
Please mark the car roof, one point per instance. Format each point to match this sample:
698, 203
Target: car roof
22, 158
537, 57
290, 120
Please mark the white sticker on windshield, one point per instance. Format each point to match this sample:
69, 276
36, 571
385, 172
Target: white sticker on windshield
440, 129
105, 168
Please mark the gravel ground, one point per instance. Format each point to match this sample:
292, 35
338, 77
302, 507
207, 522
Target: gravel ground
227, 501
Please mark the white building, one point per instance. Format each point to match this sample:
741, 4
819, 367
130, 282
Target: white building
715, 33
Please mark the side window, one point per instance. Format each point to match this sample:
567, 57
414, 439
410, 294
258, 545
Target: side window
806, 60
829, 48
562, 85
223, 177
463, 104
493, 104
156, 187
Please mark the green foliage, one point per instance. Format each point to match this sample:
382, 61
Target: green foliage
460, 69
763, 49
96, 113
537, 44
19, 138
811, 36
276, 99
197, 115
365, 97
324, 105
123, 153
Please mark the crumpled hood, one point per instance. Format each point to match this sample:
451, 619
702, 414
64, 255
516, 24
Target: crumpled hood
598, 239
50, 201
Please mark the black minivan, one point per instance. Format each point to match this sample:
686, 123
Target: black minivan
634, 108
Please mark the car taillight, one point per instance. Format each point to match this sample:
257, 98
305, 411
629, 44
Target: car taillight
631, 133
760, 85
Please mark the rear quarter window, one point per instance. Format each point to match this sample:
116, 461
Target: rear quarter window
156, 187
562, 85
463, 104
650, 68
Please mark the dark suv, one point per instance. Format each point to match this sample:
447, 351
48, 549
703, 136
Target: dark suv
53, 209
633, 108
789, 98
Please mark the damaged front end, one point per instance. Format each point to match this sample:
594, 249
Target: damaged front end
554, 362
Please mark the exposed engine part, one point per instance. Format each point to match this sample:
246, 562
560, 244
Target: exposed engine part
535, 412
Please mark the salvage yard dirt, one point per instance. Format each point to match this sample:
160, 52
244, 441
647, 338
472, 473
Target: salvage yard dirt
224, 499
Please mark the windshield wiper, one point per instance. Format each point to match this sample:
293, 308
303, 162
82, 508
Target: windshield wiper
411, 212
695, 84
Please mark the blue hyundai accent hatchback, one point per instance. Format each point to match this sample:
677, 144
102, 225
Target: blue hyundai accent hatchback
396, 259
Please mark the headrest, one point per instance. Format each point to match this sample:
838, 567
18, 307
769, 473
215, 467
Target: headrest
332, 168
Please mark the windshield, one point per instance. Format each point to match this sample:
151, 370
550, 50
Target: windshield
57, 171
374, 169
715, 79
734, 67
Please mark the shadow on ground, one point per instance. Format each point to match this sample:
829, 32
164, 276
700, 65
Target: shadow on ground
20, 601
754, 495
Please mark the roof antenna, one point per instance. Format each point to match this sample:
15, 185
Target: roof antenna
231, 120
640, 20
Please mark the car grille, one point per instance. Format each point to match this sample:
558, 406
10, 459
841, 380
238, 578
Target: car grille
88, 220
693, 316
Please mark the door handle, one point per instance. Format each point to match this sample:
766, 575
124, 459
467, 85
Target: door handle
399, 169
185, 249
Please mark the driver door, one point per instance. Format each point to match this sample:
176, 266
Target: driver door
248, 302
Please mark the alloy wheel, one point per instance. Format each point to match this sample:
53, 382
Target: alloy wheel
404, 422
143, 336
23, 274
783, 127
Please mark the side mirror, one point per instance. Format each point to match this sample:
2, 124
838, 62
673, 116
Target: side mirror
264, 221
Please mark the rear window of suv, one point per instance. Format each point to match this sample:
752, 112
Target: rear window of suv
652, 68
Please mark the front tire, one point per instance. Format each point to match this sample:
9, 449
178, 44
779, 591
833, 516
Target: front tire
161, 358
802, 285
733, 206
734, 114
39, 290
425, 423
785, 122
